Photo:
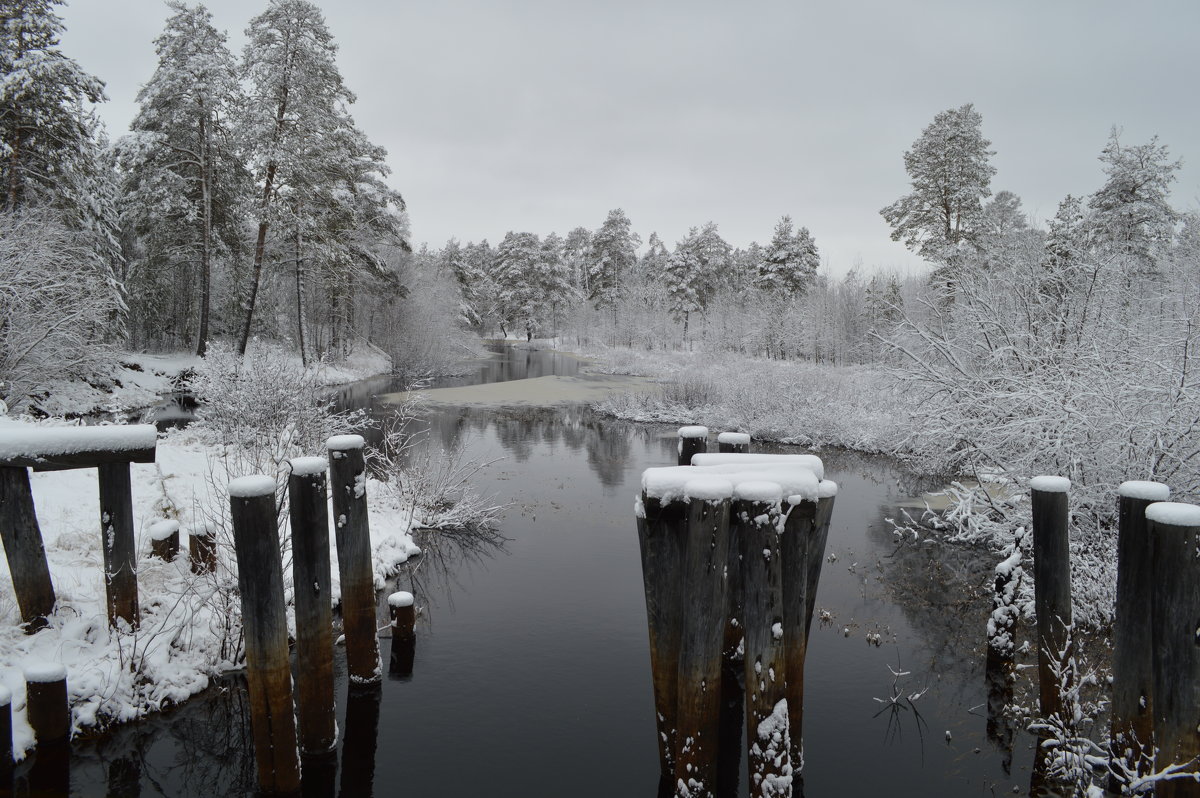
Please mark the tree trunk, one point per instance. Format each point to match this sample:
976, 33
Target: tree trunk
206, 237
300, 300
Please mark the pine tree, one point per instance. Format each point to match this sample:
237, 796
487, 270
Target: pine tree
789, 265
694, 270
611, 256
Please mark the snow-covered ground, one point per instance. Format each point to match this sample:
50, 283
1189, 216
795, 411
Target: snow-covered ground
189, 628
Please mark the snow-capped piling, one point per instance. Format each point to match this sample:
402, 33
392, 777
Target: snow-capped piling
348, 480
1175, 635
164, 539
309, 516
23, 547
116, 534
693, 440
754, 520
705, 556
404, 636
264, 621
1132, 729
1051, 585
733, 443
826, 493
202, 549
46, 708
799, 533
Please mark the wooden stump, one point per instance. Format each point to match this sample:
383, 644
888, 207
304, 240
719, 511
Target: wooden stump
46, 708
202, 549
348, 484
1175, 610
1131, 740
662, 532
692, 440
264, 620
1051, 585
698, 713
312, 581
404, 636
24, 550
164, 539
798, 533
755, 513
733, 443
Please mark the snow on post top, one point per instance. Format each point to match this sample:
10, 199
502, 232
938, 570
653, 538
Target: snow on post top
1049, 484
1174, 514
44, 672
827, 489
400, 599
161, 530
5, 696
1150, 491
252, 486
310, 466
669, 483
711, 489
33, 441
342, 443
693, 432
735, 438
810, 461
758, 491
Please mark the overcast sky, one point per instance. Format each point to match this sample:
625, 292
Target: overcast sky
543, 115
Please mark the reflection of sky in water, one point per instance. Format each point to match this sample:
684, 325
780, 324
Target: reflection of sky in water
532, 673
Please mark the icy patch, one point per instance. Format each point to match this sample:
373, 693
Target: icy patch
1173, 514
734, 438
708, 489
1048, 484
1149, 491
309, 466
342, 443
252, 486
810, 461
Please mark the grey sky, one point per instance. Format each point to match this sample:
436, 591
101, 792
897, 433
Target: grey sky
542, 116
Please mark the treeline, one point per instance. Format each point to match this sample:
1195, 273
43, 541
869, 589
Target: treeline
245, 200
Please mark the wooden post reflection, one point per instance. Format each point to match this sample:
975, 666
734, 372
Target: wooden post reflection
797, 536
404, 637
360, 741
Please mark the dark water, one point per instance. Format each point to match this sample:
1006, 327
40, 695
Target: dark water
532, 675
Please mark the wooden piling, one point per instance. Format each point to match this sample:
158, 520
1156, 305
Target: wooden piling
662, 531
1051, 585
798, 533
312, 581
1175, 632
404, 636
1131, 739
348, 481
264, 620
702, 638
733, 443
164, 539
692, 440
120, 552
202, 549
827, 492
6, 748
755, 513
24, 550
46, 708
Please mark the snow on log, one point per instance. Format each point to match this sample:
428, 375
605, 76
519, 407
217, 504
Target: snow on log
310, 466
252, 486
758, 490
1148, 491
1050, 484
712, 489
161, 530
53, 448
400, 599
736, 438
693, 431
1174, 514
341, 443
810, 461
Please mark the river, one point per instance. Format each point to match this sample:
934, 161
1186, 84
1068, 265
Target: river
532, 670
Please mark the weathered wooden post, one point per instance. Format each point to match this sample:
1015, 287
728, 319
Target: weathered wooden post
202, 548
309, 516
662, 532
164, 539
46, 708
1175, 632
733, 443
755, 514
348, 482
120, 552
692, 440
1131, 740
1051, 585
826, 493
264, 620
999, 665
404, 637
798, 533
706, 554
6, 748
24, 549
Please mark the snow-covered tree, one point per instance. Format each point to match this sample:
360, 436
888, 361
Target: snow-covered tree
950, 176
575, 253
530, 280
789, 265
1130, 216
611, 256
183, 181
694, 270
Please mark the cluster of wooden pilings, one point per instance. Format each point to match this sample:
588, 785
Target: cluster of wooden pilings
732, 545
1155, 713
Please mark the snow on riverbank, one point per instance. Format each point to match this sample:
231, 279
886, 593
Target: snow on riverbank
190, 628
